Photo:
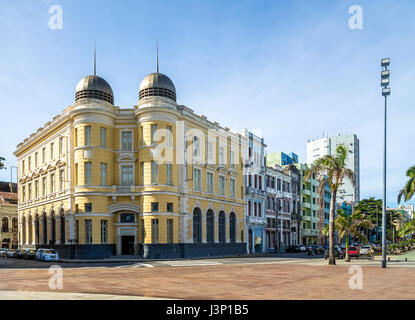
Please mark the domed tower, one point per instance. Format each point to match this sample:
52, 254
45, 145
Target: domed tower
93, 87
157, 85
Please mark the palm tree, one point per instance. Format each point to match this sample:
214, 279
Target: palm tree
407, 229
350, 225
332, 169
2, 163
409, 189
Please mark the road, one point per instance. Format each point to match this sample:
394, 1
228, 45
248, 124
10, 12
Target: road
280, 277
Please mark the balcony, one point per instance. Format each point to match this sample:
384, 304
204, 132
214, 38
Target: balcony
310, 233
306, 205
306, 192
306, 218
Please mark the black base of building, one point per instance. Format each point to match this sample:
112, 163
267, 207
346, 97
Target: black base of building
146, 251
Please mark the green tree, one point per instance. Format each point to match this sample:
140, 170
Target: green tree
408, 229
350, 225
332, 170
2, 163
408, 191
372, 208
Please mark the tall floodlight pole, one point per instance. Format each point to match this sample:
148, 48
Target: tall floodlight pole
386, 91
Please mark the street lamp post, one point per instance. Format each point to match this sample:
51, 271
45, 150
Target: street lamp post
385, 92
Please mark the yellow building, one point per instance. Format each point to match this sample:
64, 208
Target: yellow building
8, 217
156, 180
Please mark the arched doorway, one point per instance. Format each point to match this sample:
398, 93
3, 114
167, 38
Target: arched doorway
197, 225
210, 226
232, 227
5, 224
37, 230
52, 227
23, 230
5, 243
62, 226
222, 226
45, 228
30, 222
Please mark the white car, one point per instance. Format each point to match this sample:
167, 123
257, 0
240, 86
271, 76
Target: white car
47, 255
302, 248
3, 252
365, 249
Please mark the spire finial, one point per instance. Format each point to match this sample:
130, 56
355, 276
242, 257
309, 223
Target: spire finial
95, 58
157, 58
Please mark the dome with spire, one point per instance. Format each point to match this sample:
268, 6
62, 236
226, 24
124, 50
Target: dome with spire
93, 87
157, 85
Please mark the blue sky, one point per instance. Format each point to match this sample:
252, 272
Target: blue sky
293, 69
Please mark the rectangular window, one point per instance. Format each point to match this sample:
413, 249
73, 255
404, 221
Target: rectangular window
232, 159
154, 172
154, 230
169, 230
88, 231
197, 183
44, 186
23, 194
77, 231
210, 152
126, 141
88, 207
23, 168
29, 191
154, 207
141, 136
169, 137
51, 151
221, 185
43, 155
153, 133
61, 179
209, 182
60, 146
103, 174
76, 174
232, 188
29, 163
104, 231
221, 156
169, 173
143, 231
76, 137
103, 137
37, 188
52, 183
127, 178
87, 133
35, 159
169, 207
88, 173
142, 172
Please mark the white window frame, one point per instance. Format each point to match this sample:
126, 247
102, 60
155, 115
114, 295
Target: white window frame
126, 164
194, 179
232, 194
101, 139
156, 180
224, 186
106, 173
213, 181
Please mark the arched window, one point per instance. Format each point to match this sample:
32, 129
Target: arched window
37, 231
30, 229
222, 227
45, 228
210, 226
62, 228
197, 225
232, 227
23, 230
53, 227
5, 225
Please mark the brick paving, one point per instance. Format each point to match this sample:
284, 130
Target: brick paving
236, 281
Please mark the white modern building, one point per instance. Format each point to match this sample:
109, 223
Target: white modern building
317, 148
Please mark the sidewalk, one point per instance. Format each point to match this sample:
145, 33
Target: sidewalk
34, 295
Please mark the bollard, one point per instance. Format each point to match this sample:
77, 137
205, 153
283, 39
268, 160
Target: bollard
406, 259
389, 258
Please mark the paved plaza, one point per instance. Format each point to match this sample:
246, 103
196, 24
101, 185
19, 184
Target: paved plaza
283, 277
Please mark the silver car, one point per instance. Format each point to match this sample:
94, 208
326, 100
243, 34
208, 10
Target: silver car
364, 250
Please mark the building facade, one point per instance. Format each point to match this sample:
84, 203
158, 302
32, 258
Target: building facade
255, 191
318, 148
8, 216
156, 180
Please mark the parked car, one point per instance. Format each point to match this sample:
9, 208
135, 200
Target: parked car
354, 252
29, 254
365, 250
39, 254
10, 254
50, 255
18, 254
3, 252
338, 253
292, 249
302, 248
317, 248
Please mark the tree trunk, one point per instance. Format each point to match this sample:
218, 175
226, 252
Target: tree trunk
332, 259
347, 258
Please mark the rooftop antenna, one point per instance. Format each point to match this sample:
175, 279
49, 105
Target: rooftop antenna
95, 58
157, 58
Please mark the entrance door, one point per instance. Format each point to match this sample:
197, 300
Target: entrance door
250, 241
127, 245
